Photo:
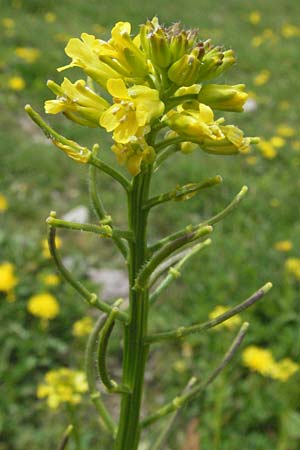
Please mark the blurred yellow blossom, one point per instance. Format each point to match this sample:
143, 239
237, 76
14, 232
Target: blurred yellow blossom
288, 30
8, 23
82, 327
180, 366
277, 141
256, 41
254, 17
62, 37
50, 279
262, 77
16, 83
296, 145
260, 360
3, 203
285, 369
28, 54
63, 385
286, 130
283, 246
45, 247
292, 266
43, 305
284, 105
251, 160
274, 203
50, 17
8, 280
230, 323
267, 149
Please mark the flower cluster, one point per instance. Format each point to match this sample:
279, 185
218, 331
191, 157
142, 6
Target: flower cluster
262, 361
156, 81
43, 305
8, 280
62, 386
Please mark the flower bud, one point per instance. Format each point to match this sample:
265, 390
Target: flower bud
223, 97
160, 49
184, 72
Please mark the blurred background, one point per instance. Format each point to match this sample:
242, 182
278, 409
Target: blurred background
259, 242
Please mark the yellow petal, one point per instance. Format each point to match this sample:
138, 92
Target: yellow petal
117, 88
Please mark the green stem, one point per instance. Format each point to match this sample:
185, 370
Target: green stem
104, 231
99, 208
74, 422
135, 351
90, 298
110, 384
198, 389
212, 221
174, 271
186, 331
110, 171
91, 375
65, 438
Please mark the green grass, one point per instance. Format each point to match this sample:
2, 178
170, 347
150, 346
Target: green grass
242, 407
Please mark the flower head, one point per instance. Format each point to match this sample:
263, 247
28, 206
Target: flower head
133, 154
16, 83
27, 54
77, 101
259, 360
8, 280
62, 386
133, 109
82, 327
3, 203
43, 305
292, 267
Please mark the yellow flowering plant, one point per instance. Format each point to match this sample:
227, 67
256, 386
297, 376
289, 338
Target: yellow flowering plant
152, 92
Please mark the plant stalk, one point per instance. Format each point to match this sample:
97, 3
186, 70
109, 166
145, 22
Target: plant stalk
135, 350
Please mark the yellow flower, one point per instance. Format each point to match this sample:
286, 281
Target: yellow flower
8, 279
84, 54
296, 145
77, 101
8, 23
16, 83
285, 369
63, 386
267, 149
262, 361
257, 41
289, 30
277, 141
28, 54
82, 327
50, 279
133, 109
43, 305
50, 17
283, 246
259, 360
292, 266
254, 17
262, 77
251, 160
230, 323
133, 154
45, 247
3, 203
284, 105
286, 130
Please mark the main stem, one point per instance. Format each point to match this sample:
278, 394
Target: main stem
135, 350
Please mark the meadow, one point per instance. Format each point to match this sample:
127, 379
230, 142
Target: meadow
258, 242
